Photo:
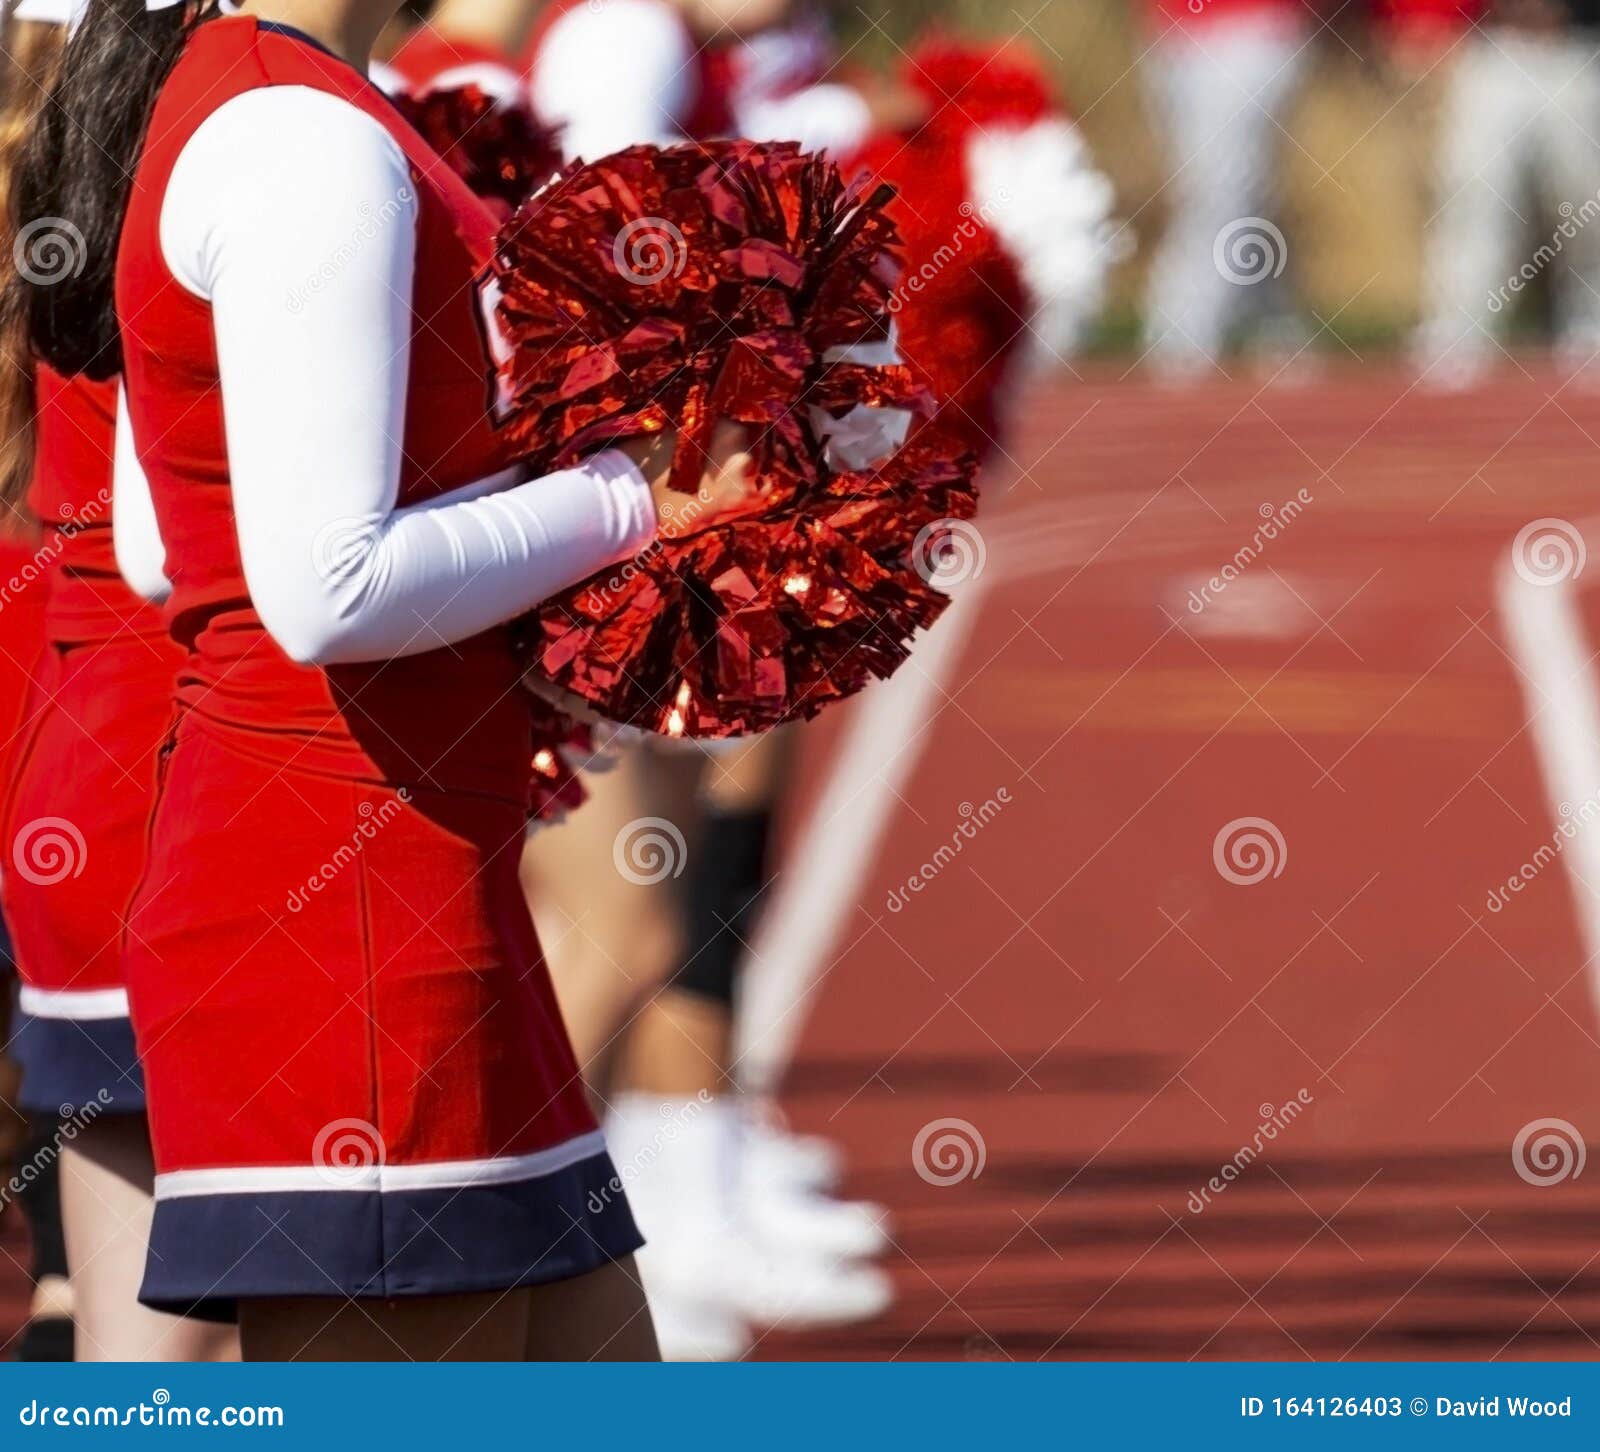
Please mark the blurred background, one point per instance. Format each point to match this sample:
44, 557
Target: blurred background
1192, 952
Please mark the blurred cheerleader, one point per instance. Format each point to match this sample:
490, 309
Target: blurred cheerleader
1005, 269
742, 1230
81, 787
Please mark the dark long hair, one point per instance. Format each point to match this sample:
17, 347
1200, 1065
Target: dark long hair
75, 173
29, 51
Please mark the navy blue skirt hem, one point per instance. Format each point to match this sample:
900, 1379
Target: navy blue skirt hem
72, 1067
208, 1251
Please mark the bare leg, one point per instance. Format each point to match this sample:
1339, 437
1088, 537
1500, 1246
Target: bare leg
609, 938
602, 1316
106, 1183
490, 1326
680, 1044
679, 1047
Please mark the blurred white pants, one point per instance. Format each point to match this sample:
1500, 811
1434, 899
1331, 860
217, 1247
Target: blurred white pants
1519, 173
1221, 90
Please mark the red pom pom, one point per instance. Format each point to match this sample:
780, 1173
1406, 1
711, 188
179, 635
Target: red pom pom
969, 85
962, 308
765, 620
500, 150
557, 738
675, 287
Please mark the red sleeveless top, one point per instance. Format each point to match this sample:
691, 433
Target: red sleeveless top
451, 719
88, 602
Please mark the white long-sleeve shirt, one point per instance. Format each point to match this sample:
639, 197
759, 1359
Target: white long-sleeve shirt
294, 215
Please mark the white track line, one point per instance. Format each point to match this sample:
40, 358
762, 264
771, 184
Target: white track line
1561, 691
825, 868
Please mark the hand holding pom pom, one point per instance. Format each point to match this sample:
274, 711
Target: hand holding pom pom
717, 306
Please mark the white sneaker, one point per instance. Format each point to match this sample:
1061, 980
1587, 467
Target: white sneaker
798, 1291
694, 1330
772, 1153
706, 1257
799, 1221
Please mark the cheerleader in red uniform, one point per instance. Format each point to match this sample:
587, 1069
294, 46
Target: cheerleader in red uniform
369, 1131
80, 788
463, 43
1006, 228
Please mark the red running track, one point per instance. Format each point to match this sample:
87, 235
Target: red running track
1113, 1017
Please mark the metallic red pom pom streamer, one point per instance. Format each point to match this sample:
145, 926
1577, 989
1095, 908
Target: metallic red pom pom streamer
673, 288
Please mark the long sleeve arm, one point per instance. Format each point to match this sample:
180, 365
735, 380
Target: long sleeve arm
294, 215
135, 539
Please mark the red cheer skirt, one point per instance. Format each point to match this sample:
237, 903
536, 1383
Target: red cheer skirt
360, 1083
75, 822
